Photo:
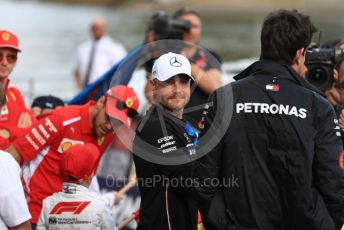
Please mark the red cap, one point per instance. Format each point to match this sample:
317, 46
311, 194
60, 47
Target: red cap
124, 94
9, 40
78, 162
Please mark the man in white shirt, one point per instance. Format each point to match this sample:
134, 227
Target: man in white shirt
95, 57
14, 213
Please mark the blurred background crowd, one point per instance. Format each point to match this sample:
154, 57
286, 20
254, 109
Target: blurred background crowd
51, 31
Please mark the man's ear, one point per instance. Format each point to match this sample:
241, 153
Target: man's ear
152, 82
299, 56
101, 102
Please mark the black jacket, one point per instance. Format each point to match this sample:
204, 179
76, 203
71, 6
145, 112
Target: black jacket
281, 152
167, 200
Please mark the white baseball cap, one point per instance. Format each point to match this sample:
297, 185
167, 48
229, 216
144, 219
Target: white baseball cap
169, 65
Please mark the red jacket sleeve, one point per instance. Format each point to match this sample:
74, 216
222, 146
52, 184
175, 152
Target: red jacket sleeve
41, 135
16, 131
17, 106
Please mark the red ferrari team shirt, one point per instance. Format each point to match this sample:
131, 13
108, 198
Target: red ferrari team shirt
43, 145
12, 110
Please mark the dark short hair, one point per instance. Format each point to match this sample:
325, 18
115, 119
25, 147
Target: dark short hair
47, 102
185, 10
283, 33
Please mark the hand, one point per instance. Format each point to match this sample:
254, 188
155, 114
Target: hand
126, 188
333, 96
24, 120
118, 197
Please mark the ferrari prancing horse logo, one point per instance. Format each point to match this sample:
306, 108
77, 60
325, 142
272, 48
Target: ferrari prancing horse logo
100, 140
5, 36
129, 102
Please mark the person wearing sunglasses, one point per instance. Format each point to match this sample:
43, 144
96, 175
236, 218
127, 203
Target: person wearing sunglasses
57, 131
77, 168
164, 132
15, 116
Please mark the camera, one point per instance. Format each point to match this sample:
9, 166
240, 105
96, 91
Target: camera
320, 64
165, 28
168, 37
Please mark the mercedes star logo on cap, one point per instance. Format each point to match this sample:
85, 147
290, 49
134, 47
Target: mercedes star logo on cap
176, 62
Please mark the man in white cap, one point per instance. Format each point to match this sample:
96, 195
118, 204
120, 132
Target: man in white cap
166, 205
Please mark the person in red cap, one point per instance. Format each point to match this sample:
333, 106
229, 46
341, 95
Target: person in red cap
63, 128
15, 116
76, 207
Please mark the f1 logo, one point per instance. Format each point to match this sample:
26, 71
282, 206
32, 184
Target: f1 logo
74, 207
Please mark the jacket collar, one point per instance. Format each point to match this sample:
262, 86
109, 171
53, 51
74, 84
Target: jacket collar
279, 69
7, 84
72, 188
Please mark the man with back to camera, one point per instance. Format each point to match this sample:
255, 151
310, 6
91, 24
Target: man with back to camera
164, 205
62, 128
15, 116
76, 207
95, 57
283, 142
